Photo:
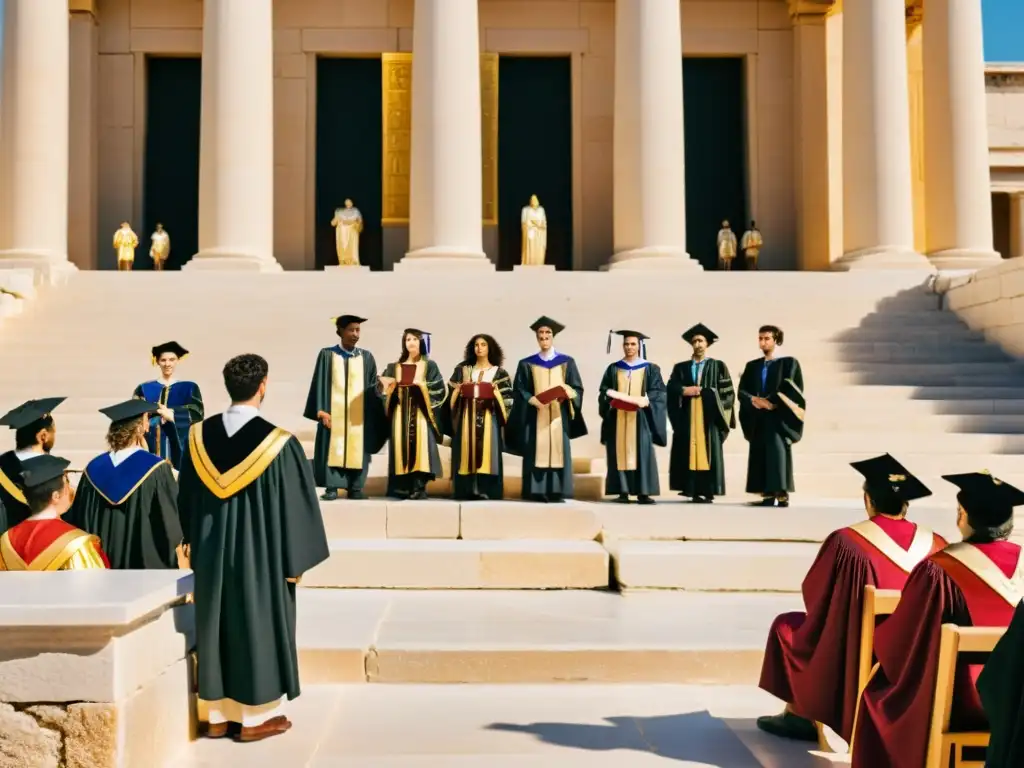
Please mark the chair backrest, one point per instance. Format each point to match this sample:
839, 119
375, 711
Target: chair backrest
877, 602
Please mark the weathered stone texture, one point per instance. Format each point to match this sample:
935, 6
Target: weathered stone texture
58, 736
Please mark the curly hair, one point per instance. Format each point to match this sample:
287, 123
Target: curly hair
405, 352
243, 376
495, 354
774, 330
124, 434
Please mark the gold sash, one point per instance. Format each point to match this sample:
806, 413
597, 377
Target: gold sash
53, 558
226, 484
625, 421
467, 428
8, 485
348, 401
424, 422
549, 452
904, 559
1010, 589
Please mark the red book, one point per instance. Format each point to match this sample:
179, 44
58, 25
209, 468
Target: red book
551, 395
622, 405
407, 375
479, 390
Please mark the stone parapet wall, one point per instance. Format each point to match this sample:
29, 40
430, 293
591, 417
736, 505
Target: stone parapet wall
991, 301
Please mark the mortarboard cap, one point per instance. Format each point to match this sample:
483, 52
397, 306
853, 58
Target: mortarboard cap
886, 475
700, 330
129, 409
30, 412
423, 335
546, 322
640, 337
343, 321
987, 499
169, 346
43, 469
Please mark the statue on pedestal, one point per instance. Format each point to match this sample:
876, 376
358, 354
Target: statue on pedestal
347, 223
160, 247
125, 243
535, 233
726, 246
751, 244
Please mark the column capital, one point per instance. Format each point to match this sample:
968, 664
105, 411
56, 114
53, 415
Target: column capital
82, 6
810, 11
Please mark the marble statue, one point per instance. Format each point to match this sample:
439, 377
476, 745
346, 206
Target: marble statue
160, 247
347, 223
726, 246
751, 244
125, 243
535, 233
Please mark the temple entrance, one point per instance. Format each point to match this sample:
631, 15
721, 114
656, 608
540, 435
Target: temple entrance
535, 152
349, 153
170, 191
716, 153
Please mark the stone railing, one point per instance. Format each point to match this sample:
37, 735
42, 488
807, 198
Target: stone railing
992, 301
95, 669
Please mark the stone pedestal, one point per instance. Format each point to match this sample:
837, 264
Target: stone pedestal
94, 668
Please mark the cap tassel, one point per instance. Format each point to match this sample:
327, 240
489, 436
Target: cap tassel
608, 347
426, 344
643, 349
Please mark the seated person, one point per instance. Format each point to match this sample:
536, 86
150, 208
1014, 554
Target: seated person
812, 660
1001, 687
44, 542
975, 583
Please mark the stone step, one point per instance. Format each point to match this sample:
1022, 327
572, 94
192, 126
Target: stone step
533, 637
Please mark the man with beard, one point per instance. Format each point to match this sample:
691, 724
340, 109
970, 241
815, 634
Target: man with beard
34, 436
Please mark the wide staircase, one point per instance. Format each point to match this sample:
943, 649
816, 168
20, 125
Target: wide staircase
441, 591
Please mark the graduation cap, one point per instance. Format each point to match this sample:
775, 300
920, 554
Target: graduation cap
43, 469
640, 337
343, 321
700, 330
885, 474
129, 409
423, 335
546, 322
30, 412
169, 346
987, 499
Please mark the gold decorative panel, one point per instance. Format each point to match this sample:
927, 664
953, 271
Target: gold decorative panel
396, 82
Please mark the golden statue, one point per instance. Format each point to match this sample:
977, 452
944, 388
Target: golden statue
347, 223
535, 233
726, 246
160, 248
751, 244
125, 243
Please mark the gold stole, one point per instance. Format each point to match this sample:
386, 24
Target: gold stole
625, 421
8, 485
399, 430
467, 438
904, 559
549, 453
226, 484
73, 550
699, 461
162, 401
1010, 589
348, 400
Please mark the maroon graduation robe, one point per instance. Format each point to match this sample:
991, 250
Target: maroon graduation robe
812, 659
895, 709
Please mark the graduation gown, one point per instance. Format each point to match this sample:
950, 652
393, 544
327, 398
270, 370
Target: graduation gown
132, 508
964, 584
1001, 687
542, 435
182, 397
700, 426
13, 509
771, 434
50, 545
251, 520
812, 660
476, 426
629, 435
345, 386
415, 413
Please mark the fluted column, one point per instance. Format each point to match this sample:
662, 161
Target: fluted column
34, 116
236, 147
649, 164
958, 193
878, 214
446, 181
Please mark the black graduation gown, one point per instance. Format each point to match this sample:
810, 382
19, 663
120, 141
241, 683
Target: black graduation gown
718, 417
1001, 687
529, 434
476, 428
184, 398
132, 508
359, 405
771, 434
13, 509
649, 425
248, 531
416, 416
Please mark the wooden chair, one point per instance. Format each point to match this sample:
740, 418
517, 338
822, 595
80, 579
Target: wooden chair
877, 602
941, 741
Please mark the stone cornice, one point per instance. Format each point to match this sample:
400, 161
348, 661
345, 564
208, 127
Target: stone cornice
809, 10
82, 6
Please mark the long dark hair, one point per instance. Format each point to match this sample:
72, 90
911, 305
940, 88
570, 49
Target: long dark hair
495, 354
405, 352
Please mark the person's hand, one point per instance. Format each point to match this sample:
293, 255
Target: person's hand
769, 405
166, 413
643, 401
535, 403
296, 580
325, 418
387, 383
691, 391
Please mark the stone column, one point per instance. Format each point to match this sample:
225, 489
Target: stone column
649, 186
446, 181
958, 192
34, 121
1016, 224
236, 148
83, 181
878, 215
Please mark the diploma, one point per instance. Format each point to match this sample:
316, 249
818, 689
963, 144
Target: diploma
478, 390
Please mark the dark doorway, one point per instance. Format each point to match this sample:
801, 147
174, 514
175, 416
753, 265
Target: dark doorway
535, 153
349, 157
716, 154
171, 177
1001, 223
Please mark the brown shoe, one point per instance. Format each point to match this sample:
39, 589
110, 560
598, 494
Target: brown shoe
273, 727
214, 730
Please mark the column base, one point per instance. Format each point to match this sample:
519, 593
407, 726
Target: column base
533, 269
47, 268
347, 269
217, 260
445, 257
656, 258
964, 259
889, 258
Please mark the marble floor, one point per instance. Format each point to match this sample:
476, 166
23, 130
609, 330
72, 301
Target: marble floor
508, 726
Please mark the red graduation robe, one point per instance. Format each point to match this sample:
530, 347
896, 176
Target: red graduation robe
965, 584
812, 659
50, 545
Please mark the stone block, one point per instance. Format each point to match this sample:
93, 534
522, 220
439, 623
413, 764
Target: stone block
431, 519
526, 520
345, 519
